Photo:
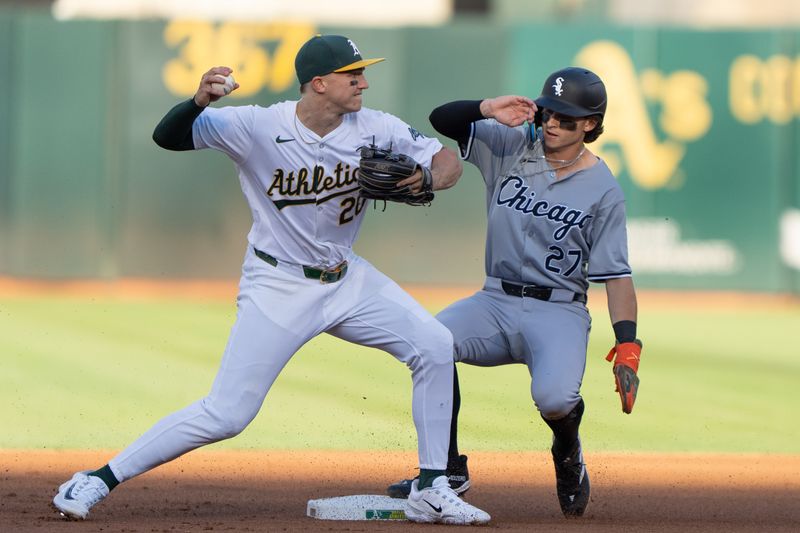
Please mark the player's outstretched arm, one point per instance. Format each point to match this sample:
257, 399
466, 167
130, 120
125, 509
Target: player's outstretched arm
509, 110
453, 119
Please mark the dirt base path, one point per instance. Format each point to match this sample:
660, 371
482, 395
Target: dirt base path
268, 491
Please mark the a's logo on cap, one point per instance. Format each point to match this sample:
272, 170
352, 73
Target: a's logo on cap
558, 86
356, 52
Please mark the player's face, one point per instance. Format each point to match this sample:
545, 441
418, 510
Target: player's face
563, 131
344, 89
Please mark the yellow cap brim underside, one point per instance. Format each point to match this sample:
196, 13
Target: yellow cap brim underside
360, 64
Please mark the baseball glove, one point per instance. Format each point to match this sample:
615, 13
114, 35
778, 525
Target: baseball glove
626, 365
380, 171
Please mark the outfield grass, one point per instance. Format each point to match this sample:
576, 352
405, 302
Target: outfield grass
95, 373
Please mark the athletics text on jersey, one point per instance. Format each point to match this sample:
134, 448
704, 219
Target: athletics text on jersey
304, 213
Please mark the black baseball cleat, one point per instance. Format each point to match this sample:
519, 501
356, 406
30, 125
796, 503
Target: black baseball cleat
572, 481
457, 477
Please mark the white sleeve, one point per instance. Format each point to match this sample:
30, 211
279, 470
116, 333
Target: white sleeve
492, 146
228, 129
407, 140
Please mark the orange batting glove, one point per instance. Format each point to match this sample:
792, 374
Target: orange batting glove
626, 365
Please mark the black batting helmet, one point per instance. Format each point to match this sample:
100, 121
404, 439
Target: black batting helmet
575, 92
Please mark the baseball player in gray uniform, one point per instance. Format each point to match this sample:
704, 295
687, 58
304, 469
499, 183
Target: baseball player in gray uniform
556, 218
297, 164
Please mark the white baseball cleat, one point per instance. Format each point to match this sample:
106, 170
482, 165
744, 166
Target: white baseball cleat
79, 494
440, 504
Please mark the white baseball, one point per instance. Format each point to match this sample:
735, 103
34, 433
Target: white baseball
226, 87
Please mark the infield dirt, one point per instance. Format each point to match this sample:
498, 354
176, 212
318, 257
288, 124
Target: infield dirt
268, 490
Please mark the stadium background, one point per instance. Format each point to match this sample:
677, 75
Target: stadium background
702, 129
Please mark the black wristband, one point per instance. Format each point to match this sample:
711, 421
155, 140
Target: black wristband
625, 331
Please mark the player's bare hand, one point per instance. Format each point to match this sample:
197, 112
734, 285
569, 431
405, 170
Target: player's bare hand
414, 181
509, 110
208, 92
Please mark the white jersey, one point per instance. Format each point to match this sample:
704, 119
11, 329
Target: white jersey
547, 231
302, 188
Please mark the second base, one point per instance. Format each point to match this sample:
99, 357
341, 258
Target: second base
358, 507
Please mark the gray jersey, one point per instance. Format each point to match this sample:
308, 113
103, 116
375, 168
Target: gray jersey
544, 231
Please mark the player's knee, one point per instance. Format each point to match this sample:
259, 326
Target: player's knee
554, 410
555, 406
226, 420
233, 426
438, 344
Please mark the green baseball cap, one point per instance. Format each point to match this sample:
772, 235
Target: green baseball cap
323, 54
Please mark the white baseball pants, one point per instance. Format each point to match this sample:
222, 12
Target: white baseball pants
279, 310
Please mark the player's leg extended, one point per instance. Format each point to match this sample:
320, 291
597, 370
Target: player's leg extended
260, 344
457, 472
257, 351
479, 339
556, 336
374, 311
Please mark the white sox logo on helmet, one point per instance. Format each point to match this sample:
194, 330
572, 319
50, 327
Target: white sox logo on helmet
558, 86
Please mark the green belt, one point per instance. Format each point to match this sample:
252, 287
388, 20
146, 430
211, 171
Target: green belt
324, 276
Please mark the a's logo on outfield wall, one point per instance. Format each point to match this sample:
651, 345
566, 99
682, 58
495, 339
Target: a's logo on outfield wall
650, 153
261, 55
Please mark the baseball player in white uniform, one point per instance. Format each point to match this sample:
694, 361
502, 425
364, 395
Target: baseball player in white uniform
556, 221
297, 164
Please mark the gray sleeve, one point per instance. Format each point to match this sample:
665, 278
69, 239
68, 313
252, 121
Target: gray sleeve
608, 256
492, 147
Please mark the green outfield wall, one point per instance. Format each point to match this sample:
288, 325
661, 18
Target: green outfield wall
701, 131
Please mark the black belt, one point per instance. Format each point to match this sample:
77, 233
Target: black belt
532, 291
325, 276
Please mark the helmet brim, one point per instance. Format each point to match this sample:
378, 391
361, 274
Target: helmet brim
565, 108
